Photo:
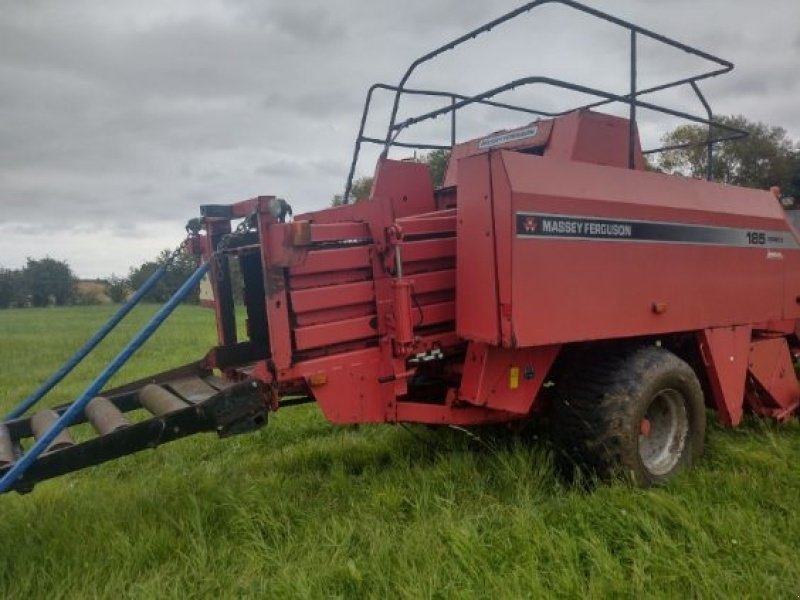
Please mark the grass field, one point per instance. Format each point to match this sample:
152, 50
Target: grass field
304, 509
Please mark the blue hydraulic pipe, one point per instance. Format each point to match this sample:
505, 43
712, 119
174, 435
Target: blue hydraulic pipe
88, 346
77, 407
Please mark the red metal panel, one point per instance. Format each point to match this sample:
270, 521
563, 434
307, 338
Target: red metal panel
428, 266
771, 365
244, 208
579, 289
331, 296
504, 379
352, 393
724, 351
339, 259
280, 340
427, 249
434, 313
329, 315
406, 187
411, 226
316, 336
433, 414
334, 232
593, 137
314, 280
476, 277
503, 219
434, 281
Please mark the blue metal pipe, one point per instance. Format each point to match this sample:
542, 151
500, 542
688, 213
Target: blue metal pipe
88, 346
77, 407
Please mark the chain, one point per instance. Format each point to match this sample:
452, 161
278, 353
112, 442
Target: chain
246, 225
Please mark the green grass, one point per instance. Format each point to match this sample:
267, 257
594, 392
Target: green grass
305, 509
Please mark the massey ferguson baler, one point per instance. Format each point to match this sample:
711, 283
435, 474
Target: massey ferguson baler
551, 274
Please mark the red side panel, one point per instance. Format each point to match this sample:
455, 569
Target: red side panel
503, 221
352, 392
571, 287
477, 315
776, 393
594, 138
504, 379
406, 185
724, 351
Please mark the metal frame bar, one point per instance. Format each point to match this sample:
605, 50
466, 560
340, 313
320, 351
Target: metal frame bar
458, 101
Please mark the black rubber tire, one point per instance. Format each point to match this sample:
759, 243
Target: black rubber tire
600, 406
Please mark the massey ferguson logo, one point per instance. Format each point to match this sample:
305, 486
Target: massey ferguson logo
529, 225
574, 227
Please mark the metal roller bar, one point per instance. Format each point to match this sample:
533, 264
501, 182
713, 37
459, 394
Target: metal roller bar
6, 447
41, 422
159, 401
104, 416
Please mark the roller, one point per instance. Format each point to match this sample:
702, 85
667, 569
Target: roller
159, 401
42, 421
104, 416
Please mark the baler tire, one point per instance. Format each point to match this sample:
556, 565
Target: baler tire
602, 409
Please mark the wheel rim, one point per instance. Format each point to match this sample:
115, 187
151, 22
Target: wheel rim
663, 432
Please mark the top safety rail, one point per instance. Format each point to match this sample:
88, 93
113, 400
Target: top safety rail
717, 132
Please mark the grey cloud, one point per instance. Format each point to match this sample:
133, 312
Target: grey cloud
304, 24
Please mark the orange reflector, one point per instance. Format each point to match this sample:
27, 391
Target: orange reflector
317, 379
659, 308
513, 378
301, 233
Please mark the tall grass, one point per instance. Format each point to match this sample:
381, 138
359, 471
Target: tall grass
305, 509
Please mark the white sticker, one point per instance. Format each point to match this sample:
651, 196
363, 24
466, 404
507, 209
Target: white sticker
497, 139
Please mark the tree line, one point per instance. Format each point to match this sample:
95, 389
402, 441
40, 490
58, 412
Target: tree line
51, 282
39, 283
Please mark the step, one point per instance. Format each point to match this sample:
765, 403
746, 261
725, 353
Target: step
42, 421
159, 401
104, 416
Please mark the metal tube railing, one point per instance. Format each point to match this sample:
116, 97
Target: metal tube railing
726, 65
77, 407
720, 66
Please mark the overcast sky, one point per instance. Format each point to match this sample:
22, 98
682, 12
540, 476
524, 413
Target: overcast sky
119, 118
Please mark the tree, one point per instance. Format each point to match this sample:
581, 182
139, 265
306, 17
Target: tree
118, 289
765, 158
48, 281
178, 271
437, 163
12, 288
359, 191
